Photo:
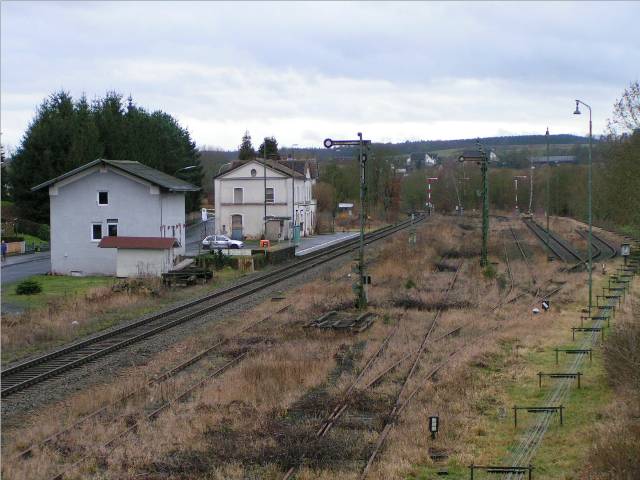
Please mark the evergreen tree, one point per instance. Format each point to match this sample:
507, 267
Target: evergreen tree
271, 146
246, 150
65, 134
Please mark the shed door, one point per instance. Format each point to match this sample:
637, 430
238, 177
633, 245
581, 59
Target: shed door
236, 227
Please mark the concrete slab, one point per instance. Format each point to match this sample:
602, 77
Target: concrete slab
311, 244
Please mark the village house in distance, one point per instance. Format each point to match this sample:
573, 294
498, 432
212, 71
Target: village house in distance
116, 217
240, 199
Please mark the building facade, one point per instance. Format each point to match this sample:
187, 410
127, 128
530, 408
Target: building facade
111, 198
241, 199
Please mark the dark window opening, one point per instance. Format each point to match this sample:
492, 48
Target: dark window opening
96, 231
103, 198
112, 229
269, 195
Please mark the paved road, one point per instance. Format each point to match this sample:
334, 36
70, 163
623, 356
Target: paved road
195, 234
19, 267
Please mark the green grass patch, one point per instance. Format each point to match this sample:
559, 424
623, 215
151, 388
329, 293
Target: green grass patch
564, 448
31, 240
53, 287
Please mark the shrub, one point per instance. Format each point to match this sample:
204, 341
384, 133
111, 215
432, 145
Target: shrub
489, 272
410, 284
44, 232
28, 287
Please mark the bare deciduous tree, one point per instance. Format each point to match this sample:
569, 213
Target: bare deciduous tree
626, 111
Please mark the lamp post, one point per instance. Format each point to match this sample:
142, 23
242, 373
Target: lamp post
482, 159
361, 144
547, 189
190, 167
577, 112
515, 178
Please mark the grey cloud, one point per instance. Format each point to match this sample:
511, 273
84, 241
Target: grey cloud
218, 65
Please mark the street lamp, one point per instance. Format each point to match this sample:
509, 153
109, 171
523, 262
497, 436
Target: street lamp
222, 166
547, 192
577, 112
515, 178
361, 144
190, 167
482, 159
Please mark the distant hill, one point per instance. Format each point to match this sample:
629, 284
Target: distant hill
409, 147
509, 146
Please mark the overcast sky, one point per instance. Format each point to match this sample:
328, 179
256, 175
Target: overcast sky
306, 71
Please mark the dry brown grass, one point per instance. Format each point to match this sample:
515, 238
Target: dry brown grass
65, 318
616, 440
261, 416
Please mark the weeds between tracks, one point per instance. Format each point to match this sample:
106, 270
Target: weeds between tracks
263, 414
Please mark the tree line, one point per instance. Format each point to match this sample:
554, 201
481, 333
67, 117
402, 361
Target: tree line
67, 133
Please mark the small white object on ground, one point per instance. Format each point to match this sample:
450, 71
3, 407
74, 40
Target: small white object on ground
536, 310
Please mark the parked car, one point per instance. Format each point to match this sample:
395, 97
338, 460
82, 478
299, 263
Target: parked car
214, 242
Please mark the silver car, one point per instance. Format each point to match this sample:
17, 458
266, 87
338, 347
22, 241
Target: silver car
217, 242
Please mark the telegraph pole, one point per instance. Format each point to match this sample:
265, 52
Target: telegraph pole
361, 301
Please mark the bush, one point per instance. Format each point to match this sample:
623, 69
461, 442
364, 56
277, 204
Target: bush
489, 272
44, 233
28, 287
220, 260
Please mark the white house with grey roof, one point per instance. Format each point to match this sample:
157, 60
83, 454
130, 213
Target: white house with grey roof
284, 188
109, 198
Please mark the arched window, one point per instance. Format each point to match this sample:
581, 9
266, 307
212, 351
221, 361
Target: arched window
253, 172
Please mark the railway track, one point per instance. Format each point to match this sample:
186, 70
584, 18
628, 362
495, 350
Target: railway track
121, 401
39, 369
559, 247
604, 249
400, 402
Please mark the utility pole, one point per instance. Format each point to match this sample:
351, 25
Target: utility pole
577, 112
361, 301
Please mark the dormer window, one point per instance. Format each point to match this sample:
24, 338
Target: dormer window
103, 198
